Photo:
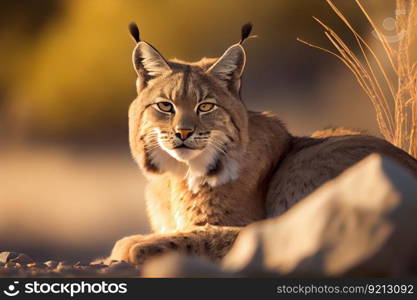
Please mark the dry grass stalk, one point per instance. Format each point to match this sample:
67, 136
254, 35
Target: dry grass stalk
393, 97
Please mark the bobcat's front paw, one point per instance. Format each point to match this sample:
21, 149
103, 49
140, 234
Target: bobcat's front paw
122, 247
142, 251
138, 248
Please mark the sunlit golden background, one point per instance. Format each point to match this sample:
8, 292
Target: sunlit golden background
68, 187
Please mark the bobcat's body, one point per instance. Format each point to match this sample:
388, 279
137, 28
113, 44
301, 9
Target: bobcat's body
213, 169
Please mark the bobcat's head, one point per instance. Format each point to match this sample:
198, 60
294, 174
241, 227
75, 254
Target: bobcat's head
188, 118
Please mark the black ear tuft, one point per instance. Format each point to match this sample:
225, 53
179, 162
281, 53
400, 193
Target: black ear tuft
134, 31
246, 30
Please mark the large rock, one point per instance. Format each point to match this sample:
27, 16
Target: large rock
362, 223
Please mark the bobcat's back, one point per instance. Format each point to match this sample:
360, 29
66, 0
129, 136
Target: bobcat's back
313, 161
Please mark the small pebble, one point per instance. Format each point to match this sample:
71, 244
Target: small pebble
6, 256
64, 268
51, 264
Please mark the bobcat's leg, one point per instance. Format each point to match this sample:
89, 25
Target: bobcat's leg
209, 241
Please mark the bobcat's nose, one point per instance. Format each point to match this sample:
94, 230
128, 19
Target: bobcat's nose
183, 134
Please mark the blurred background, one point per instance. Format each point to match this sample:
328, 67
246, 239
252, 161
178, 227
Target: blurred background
68, 187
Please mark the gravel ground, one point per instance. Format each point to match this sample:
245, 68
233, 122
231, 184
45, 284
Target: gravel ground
14, 264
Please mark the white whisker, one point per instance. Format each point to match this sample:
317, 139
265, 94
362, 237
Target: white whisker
217, 145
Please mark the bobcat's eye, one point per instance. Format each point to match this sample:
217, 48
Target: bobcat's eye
165, 107
206, 107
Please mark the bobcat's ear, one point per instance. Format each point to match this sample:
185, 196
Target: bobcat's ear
147, 61
229, 67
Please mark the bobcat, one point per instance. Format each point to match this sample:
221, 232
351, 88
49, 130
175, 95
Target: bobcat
213, 166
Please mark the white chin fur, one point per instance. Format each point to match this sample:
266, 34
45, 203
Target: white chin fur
196, 161
195, 180
184, 154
